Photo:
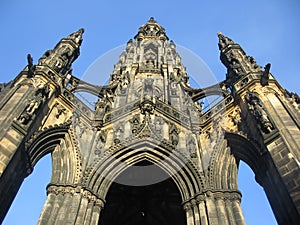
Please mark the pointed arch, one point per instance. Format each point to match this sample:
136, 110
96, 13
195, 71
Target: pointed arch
183, 172
248, 151
58, 140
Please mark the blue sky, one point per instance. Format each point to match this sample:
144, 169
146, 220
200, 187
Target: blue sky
266, 29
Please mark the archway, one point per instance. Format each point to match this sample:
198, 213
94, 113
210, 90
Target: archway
154, 204
258, 158
256, 210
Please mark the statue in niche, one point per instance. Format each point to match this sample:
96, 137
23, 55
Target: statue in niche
191, 146
41, 93
234, 119
25, 117
125, 80
43, 90
257, 110
173, 134
148, 86
150, 64
100, 143
158, 126
118, 133
99, 108
173, 87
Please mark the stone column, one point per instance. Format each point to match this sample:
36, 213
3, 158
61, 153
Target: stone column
98, 205
229, 210
68, 204
46, 212
83, 208
222, 215
88, 214
195, 211
211, 209
189, 213
202, 209
237, 211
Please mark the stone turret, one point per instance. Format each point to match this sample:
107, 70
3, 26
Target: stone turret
64, 53
235, 59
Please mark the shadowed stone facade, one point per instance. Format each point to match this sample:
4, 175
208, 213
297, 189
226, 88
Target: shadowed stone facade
149, 152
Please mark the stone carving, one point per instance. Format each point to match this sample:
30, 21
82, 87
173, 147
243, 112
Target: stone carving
79, 126
100, 108
234, 120
63, 55
191, 146
173, 87
118, 133
100, 143
224, 41
135, 124
41, 93
31, 67
148, 86
77, 36
158, 125
257, 110
173, 134
293, 96
60, 110
253, 64
264, 79
147, 107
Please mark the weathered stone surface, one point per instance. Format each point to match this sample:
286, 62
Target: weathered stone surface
148, 152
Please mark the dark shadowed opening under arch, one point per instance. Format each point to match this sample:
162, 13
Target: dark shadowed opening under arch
155, 204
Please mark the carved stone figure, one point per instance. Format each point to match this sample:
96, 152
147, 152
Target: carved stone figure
191, 146
30, 65
100, 143
41, 93
158, 125
148, 86
118, 133
27, 114
173, 134
256, 108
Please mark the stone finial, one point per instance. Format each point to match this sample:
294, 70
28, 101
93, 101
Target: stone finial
77, 36
224, 41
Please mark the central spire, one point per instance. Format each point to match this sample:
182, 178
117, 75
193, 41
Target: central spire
151, 31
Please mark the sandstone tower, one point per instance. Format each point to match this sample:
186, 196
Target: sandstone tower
149, 152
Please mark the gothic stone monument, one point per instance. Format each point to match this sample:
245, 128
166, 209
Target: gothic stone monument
149, 152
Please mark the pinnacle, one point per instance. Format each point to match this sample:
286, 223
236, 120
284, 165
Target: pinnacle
151, 31
152, 20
